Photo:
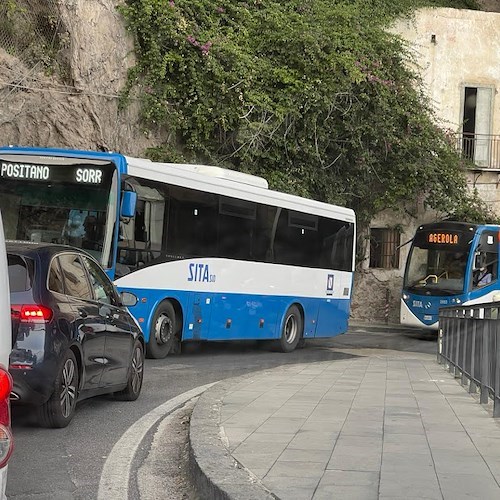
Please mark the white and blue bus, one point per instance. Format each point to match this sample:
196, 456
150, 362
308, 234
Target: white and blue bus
210, 253
449, 263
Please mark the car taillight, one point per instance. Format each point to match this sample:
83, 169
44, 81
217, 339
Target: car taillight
30, 312
6, 440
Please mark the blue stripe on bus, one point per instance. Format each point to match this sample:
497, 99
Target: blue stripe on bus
222, 316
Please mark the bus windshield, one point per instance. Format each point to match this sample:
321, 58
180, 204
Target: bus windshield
436, 271
59, 200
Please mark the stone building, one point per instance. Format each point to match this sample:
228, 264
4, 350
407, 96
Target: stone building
457, 53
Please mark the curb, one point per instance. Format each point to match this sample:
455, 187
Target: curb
381, 327
217, 475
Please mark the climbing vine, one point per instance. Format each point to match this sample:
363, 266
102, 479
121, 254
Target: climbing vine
315, 95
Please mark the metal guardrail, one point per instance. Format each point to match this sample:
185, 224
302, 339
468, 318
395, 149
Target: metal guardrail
482, 149
469, 343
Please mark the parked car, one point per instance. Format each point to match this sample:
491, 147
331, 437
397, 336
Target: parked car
72, 334
6, 440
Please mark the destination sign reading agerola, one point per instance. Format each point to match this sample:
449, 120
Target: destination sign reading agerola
443, 238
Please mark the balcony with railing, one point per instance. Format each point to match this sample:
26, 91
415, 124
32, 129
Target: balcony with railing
482, 149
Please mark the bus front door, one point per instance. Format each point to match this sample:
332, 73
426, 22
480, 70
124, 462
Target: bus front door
199, 313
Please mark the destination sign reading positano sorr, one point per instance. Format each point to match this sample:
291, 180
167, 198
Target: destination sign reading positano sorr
83, 175
25, 171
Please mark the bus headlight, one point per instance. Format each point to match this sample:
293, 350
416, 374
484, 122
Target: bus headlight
405, 297
456, 301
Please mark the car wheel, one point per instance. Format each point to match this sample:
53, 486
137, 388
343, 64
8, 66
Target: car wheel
162, 332
58, 411
291, 333
135, 376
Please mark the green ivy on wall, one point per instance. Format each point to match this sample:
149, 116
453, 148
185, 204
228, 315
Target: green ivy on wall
314, 95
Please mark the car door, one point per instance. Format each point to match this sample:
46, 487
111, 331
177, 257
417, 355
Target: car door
119, 335
90, 324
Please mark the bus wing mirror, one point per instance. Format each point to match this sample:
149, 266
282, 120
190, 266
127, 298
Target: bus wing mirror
479, 260
129, 202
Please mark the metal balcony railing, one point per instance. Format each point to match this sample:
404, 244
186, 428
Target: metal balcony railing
482, 149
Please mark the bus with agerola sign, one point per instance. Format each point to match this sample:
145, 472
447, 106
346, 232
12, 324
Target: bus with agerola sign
449, 263
210, 253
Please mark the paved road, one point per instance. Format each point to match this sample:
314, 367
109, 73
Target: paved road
68, 463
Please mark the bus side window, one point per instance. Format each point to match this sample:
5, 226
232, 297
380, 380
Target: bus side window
261, 242
337, 246
235, 228
486, 269
191, 218
140, 238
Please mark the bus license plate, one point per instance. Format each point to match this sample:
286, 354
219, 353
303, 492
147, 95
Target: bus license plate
427, 317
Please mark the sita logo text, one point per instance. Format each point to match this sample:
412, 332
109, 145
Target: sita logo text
200, 272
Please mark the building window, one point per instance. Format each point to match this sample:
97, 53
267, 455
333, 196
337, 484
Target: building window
384, 248
476, 124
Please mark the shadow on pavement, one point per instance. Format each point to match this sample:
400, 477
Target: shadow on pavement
314, 350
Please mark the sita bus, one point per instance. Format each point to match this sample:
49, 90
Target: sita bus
449, 263
210, 253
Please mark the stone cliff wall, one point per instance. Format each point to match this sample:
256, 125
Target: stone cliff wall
80, 108
376, 299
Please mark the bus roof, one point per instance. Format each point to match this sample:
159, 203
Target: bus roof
118, 158
457, 225
231, 183
209, 170
202, 177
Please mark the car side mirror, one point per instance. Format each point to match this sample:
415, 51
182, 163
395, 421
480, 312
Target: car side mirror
128, 299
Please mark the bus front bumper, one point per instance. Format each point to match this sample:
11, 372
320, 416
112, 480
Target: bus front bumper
408, 318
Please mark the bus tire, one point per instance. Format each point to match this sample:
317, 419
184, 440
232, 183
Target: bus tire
162, 332
291, 333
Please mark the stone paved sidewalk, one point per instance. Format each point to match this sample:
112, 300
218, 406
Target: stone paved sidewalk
384, 425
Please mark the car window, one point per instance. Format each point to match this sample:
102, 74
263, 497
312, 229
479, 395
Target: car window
75, 277
56, 281
20, 273
100, 283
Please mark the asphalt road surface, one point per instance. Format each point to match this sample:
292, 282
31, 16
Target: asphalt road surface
75, 462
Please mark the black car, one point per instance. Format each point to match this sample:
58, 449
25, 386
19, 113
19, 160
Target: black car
72, 335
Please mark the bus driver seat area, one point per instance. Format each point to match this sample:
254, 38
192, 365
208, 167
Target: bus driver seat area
485, 269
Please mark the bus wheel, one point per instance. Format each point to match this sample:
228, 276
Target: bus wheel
292, 330
162, 333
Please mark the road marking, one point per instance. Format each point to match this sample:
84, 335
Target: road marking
116, 471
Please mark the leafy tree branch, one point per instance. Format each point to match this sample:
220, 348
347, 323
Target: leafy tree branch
316, 96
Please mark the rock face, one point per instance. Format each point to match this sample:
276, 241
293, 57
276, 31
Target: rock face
490, 5
375, 300
82, 110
